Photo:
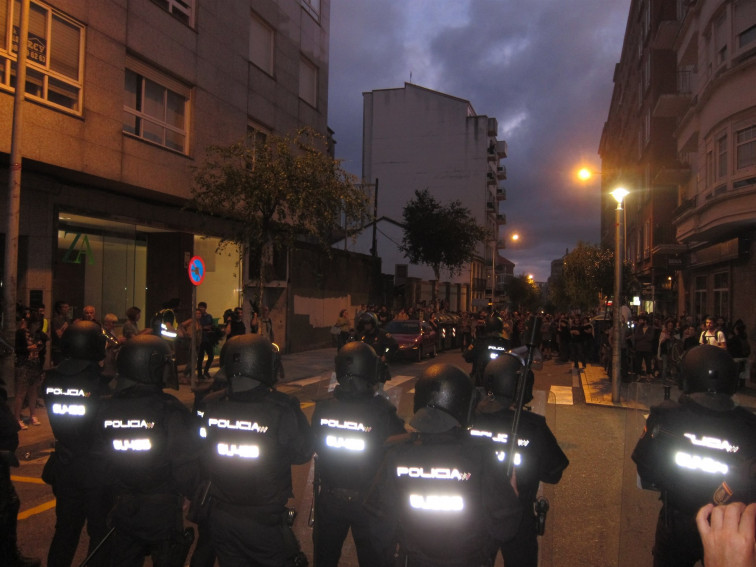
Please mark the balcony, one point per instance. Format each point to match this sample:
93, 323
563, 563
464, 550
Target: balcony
501, 149
501, 219
670, 105
719, 212
501, 193
501, 172
490, 178
491, 152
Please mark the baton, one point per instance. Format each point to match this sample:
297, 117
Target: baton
532, 331
97, 548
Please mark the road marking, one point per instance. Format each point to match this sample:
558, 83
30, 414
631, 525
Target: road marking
562, 395
27, 479
36, 510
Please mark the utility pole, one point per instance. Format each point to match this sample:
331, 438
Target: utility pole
10, 275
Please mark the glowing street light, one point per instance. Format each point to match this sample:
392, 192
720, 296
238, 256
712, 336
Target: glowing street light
619, 195
584, 174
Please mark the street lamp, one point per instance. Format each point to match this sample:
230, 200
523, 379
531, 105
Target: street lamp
619, 194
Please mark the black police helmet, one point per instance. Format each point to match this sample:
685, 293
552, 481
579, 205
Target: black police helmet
357, 368
143, 359
707, 368
445, 387
501, 375
494, 324
83, 340
249, 356
366, 319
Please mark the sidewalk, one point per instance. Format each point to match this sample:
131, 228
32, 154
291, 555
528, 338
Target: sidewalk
39, 438
597, 388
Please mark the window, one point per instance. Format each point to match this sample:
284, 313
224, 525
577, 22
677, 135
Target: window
721, 293
313, 7
709, 168
722, 157
720, 40
699, 297
155, 107
54, 57
746, 147
261, 44
182, 10
308, 82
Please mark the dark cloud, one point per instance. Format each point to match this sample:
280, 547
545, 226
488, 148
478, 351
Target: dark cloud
543, 68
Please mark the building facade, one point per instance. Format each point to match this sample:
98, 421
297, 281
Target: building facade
681, 134
416, 138
122, 98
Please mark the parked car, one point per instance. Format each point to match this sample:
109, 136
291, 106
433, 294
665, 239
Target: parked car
415, 338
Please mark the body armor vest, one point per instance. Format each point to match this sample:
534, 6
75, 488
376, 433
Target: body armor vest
349, 437
136, 440
72, 400
439, 487
248, 464
690, 451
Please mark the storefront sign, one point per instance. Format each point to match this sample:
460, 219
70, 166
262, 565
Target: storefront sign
78, 248
196, 270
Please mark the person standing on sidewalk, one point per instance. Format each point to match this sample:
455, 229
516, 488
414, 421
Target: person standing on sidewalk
207, 343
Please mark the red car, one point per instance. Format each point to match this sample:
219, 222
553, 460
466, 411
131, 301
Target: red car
415, 338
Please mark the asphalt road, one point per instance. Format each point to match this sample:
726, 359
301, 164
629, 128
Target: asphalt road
598, 517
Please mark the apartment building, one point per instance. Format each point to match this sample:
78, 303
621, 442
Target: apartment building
681, 135
122, 98
416, 138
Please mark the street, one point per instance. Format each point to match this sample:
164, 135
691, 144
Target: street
597, 516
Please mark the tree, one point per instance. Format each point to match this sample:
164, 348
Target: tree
587, 277
275, 192
523, 292
442, 237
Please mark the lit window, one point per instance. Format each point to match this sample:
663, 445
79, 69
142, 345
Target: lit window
261, 44
182, 10
54, 54
155, 107
308, 82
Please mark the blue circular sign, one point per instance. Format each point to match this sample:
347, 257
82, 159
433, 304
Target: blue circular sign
196, 270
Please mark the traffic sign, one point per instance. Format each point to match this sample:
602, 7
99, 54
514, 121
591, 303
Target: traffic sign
196, 270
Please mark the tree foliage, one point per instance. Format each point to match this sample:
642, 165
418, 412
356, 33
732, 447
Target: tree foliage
523, 293
587, 277
277, 191
442, 237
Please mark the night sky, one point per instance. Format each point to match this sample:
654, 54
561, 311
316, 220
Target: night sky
542, 68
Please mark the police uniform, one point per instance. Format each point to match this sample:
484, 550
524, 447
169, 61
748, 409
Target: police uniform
439, 490
538, 458
384, 345
696, 451
349, 432
9, 501
151, 445
76, 470
252, 438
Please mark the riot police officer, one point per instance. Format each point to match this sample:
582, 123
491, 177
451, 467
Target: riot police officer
152, 450
10, 504
349, 432
538, 457
487, 347
252, 438
696, 451
440, 491
76, 470
384, 345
